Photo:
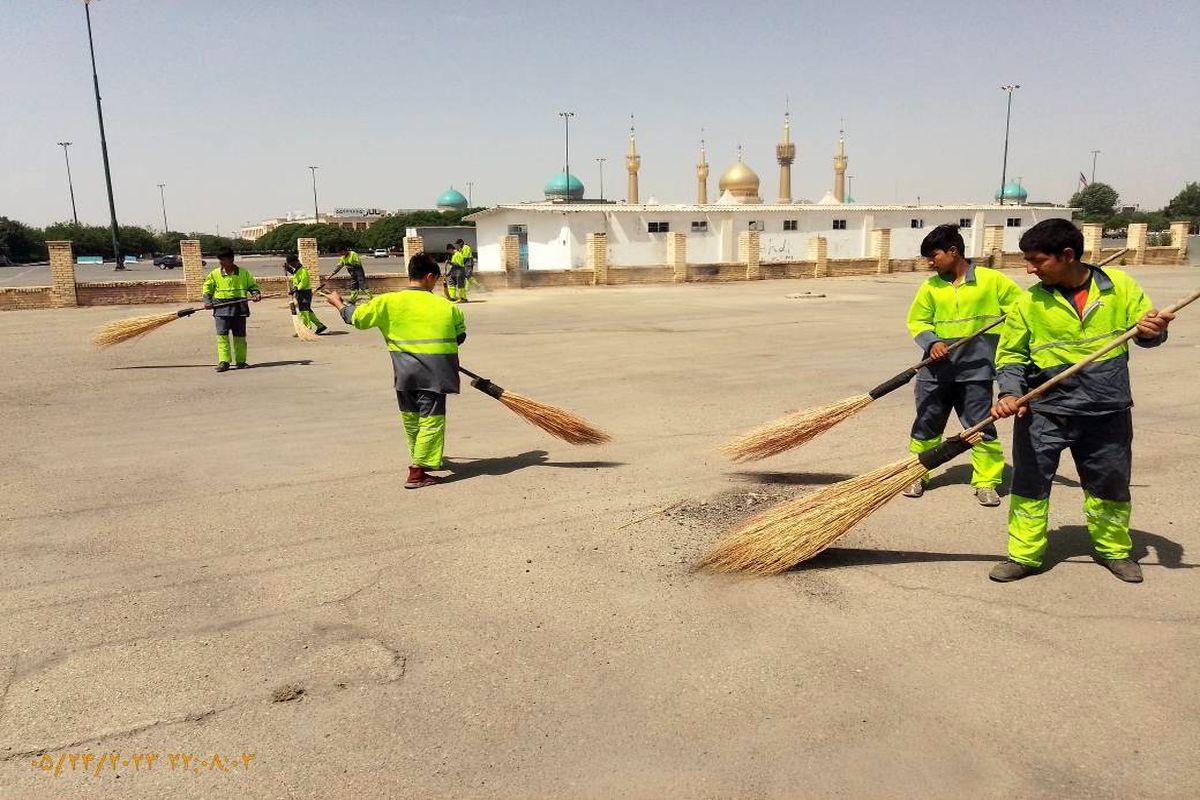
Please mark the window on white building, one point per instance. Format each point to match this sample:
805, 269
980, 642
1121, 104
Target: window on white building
839, 224
754, 225
1014, 222
658, 227
699, 226
791, 225
916, 223
964, 222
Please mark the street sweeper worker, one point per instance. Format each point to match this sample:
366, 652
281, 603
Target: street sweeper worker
230, 282
456, 279
300, 288
955, 302
423, 332
352, 263
1074, 311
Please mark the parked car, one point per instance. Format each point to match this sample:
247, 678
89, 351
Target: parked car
168, 262
381, 252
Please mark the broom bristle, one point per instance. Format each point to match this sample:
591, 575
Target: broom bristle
124, 330
555, 421
794, 531
793, 430
302, 331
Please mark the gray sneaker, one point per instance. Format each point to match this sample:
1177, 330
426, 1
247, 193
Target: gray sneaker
1007, 571
915, 489
1126, 569
987, 497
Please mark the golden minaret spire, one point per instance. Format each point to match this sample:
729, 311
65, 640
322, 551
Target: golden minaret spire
632, 163
702, 174
839, 166
785, 154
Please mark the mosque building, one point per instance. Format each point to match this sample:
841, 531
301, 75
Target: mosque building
552, 233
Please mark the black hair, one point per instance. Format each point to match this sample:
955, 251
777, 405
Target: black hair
225, 252
450, 247
292, 257
1053, 237
422, 264
943, 237
459, 241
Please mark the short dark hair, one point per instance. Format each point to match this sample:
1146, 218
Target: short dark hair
225, 252
943, 237
292, 257
450, 246
422, 264
459, 241
1052, 237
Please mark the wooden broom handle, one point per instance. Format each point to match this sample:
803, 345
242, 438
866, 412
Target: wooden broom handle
1071, 370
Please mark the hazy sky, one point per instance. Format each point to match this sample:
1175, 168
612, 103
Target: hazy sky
227, 102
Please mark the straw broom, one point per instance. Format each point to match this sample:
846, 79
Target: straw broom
802, 427
130, 328
794, 531
557, 422
302, 331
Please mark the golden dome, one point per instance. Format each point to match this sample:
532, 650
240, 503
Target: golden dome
740, 180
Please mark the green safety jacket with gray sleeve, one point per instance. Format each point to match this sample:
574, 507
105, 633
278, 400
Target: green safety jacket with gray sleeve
1044, 334
422, 331
221, 286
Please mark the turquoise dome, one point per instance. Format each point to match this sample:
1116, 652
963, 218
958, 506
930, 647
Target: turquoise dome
1013, 191
564, 187
452, 198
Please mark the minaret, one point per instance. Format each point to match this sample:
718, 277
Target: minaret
702, 177
632, 162
785, 154
839, 168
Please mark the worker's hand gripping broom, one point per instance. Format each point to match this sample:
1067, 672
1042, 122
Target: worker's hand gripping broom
130, 328
794, 531
802, 427
557, 422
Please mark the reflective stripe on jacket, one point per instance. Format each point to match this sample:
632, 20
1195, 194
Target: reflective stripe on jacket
944, 312
422, 332
219, 287
1044, 334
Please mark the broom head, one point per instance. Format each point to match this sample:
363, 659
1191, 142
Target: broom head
793, 430
124, 330
302, 331
557, 422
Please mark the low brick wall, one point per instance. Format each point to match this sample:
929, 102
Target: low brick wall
126, 293
619, 276
844, 267
22, 298
1164, 257
557, 277
716, 273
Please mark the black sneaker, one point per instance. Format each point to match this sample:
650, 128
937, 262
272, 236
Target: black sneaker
1007, 571
321, 330
1126, 569
242, 365
223, 366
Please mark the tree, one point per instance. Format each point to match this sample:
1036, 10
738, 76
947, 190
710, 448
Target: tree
1096, 203
20, 243
1186, 204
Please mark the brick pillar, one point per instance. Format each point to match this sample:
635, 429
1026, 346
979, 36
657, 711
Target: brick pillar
62, 274
881, 249
597, 257
413, 245
677, 256
993, 245
749, 250
818, 253
1093, 237
1136, 242
307, 249
1179, 238
193, 269
510, 259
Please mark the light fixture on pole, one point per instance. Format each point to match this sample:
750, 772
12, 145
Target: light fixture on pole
112, 206
316, 213
163, 197
1007, 119
601, 161
1094, 154
566, 115
70, 183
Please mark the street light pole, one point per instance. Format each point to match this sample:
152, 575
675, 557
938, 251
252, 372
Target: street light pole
601, 161
163, 197
470, 187
1007, 119
70, 183
316, 213
112, 206
1094, 154
566, 115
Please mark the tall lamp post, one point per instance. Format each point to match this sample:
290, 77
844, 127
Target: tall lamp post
1094, 154
163, 197
566, 115
601, 161
112, 206
316, 213
1007, 119
70, 183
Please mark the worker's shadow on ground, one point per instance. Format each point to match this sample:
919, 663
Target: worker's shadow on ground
303, 362
792, 478
464, 468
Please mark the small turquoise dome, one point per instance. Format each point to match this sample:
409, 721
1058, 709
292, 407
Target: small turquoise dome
452, 199
1013, 191
564, 187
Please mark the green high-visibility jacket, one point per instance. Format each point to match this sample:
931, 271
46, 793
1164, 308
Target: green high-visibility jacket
351, 259
300, 280
466, 251
458, 259
943, 312
220, 286
422, 331
1044, 334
